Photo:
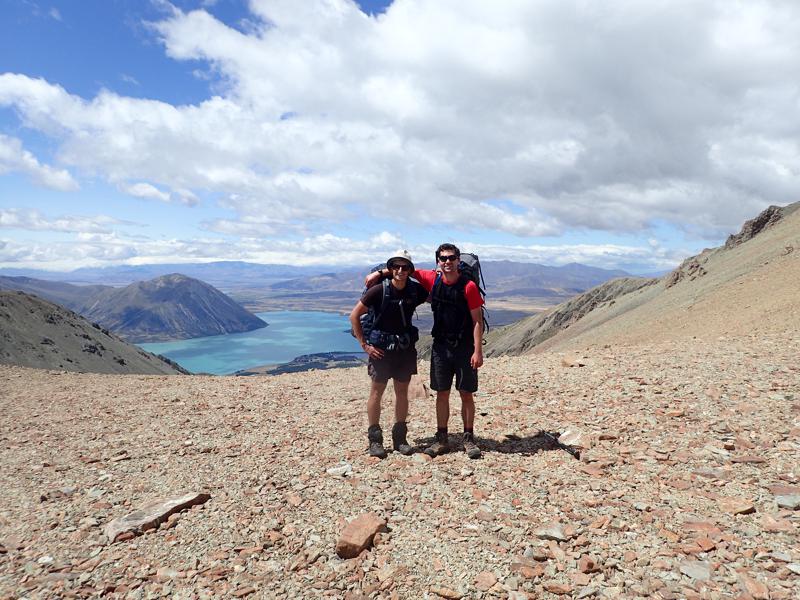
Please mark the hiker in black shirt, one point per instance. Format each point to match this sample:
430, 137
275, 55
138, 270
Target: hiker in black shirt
390, 346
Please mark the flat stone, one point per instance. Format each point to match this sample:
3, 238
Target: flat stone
560, 589
555, 531
417, 390
485, 580
573, 437
358, 535
699, 570
794, 568
748, 459
152, 515
773, 525
342, 470
791, 501
586, 592
527, 571
445, 592
757, 589
736, 506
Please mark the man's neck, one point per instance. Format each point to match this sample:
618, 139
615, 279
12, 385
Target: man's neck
399, 285
450, 277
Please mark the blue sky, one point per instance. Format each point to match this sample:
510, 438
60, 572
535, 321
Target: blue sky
328, 131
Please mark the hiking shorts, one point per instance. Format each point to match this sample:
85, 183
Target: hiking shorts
448, 362
399, 365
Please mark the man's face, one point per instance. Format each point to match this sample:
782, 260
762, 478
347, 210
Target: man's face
400, 269
448, 261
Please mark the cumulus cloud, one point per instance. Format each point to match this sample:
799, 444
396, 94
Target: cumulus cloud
98, 248
144, 190
527, 118
33, 220
14, 158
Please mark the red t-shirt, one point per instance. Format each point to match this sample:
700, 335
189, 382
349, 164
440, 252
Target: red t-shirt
428, 277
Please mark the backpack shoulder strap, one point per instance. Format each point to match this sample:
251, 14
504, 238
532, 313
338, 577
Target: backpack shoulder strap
386, 296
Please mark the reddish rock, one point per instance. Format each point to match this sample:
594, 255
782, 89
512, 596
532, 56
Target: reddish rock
445, 592
358, 535
755, 588
706, 544
588, 564
485, 580
736, 506
558, 588
527, 571
773, 525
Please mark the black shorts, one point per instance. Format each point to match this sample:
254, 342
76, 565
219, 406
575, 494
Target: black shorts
448, 361
399, 365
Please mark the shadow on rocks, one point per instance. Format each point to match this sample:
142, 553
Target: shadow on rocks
543, 441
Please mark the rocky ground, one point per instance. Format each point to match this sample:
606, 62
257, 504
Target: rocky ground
688, 486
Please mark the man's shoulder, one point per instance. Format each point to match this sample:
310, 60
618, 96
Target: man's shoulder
373, 295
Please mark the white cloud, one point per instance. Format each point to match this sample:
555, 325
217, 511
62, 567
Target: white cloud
14, 158
98, 248
608, 116
33, 220
144, 190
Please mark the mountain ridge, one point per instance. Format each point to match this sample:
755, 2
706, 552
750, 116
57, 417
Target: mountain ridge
168, 307
761, 254
40, 334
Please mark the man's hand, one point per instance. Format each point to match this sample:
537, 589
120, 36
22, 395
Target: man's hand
476, 360
373, 352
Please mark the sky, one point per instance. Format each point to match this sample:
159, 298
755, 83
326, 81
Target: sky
620, 134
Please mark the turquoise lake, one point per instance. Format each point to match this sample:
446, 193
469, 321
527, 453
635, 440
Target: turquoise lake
290, 333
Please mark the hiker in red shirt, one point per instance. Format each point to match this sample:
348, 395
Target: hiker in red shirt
390, 345
457, 343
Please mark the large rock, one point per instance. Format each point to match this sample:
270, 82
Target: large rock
358, 535
152, 515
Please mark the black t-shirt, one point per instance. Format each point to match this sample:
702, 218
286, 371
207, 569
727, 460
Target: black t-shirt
391, 321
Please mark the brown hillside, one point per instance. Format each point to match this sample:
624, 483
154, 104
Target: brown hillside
750, 285
37, 333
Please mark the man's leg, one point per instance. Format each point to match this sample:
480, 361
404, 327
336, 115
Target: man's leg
374, 433
401, 401
441, 380
467, 384
468, 410
400, 429
374, 402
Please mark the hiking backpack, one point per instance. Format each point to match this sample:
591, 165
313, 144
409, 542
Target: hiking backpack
469, 267
370, 319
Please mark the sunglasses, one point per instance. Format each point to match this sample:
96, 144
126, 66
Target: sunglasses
396, 267
448, 258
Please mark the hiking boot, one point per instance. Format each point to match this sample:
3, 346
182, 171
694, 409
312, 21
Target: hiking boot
375, 435
399, 441
470, 447
438, 447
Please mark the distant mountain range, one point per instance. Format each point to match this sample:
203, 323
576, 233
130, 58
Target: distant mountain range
501, 276
169, 307
514, 289
37, 333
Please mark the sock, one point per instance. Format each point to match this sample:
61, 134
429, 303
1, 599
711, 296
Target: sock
441, 431
469, 431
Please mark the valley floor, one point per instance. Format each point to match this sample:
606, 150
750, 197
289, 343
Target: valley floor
682, 435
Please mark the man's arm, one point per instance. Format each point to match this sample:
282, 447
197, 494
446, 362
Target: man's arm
376, 277
355, 323
476, 360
